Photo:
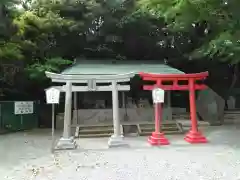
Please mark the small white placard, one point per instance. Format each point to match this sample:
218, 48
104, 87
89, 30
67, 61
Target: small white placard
52, 95
23, 107
158, 95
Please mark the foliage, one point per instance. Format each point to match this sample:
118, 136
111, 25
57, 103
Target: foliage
37, 71
217, 23
10, 51
40, 35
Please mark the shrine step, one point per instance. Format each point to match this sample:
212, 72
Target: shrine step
167, 128
187, 123
94, 135
181, 116
97, 130
94, 131
142, 129
231, 116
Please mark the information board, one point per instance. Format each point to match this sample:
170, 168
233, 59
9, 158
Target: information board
52, 95
23, 107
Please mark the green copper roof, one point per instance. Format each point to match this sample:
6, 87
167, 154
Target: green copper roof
96, 67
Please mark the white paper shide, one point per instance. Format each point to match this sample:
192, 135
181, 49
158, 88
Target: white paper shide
158, 95
52, 95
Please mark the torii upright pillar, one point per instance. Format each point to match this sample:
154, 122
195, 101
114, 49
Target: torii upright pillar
116, 139
67, 141
193, 136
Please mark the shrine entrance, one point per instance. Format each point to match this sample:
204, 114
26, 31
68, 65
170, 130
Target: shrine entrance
67, 142
181, 82
94, 75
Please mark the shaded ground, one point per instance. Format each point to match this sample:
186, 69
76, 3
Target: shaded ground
27, 156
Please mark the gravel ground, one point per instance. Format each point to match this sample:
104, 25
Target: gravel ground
27, 156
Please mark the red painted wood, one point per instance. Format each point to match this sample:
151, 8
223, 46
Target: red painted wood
161, 78
175, 88
175, 76
192, 99
157, 138
193, 136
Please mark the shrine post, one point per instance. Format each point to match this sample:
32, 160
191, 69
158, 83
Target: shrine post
157, 137
52, 96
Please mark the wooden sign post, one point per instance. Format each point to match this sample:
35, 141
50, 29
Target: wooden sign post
157, 137
53, 96
23, 107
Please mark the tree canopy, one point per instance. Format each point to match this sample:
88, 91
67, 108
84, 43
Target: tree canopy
40, 35
217, 21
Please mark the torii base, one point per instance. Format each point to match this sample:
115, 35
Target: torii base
157, 139
195, 138
66, 144
117, 141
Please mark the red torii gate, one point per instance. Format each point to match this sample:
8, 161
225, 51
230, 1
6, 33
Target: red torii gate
172, 83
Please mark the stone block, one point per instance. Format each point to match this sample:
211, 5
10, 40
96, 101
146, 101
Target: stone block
64, 144
231, 103
210, 106
117, 141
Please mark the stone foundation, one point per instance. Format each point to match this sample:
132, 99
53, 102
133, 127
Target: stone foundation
64, 143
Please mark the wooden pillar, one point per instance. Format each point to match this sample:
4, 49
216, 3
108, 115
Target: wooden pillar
192, 99
116, 139
193, 136
157, 137
67, 142
158, 116
68, 111
115, 106
75, 99
168, 105
123, 99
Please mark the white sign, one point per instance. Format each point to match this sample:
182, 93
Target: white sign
52, 95
23, 107
158, 95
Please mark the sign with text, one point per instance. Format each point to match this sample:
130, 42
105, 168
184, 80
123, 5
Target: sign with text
158, 95
52, 95
23, 107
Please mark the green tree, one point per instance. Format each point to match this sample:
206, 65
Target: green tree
37, 29
215, 22
48, 35
219, 21
10, 53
